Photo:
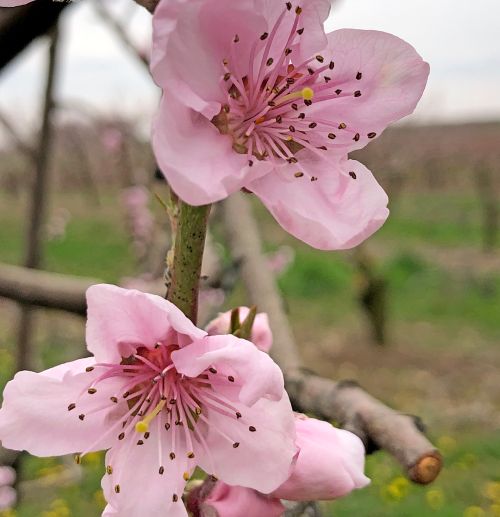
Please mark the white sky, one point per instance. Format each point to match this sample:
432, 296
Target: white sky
459, 38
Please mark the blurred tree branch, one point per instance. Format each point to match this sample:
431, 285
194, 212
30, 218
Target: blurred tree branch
20, 26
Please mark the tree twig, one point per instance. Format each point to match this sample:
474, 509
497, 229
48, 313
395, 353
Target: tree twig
345, 402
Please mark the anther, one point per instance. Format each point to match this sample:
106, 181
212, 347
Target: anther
264, 36
91, 391
89, 369
372, 135
342, 125
238, 415
289, 6
252, 429
81, 417
298, 10
167, 427
140, 442
143, 425
331, 66
338, 92
357, 93
299, 174
312, 125
161, 470
117, 489
359, 75
109, 470
190, 455
300, 31
230, 378
236, 38
114, 399
314, 178
356, 137
332, 136
71, 407
172, 456
121, 436
236, 445
175, 498
270, 61
321, 59
186, 476
353, 175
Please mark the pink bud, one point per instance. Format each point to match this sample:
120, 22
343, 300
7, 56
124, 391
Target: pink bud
234, 501
262, 336
330, 463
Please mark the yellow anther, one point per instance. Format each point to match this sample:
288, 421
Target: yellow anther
306, 93
186, 476
143, 425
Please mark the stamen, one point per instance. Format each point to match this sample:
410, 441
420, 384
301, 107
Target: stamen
143, 425
306, 93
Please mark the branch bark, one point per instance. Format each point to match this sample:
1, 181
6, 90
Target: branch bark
344, 402
49, 290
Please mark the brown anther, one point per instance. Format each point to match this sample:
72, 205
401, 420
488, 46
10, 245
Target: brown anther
71, 407
109, 470
126, 394
357, 93
292, 129
288, 51
172, 456
289, 6
117, 489
314, 178
264, 36
353, 175
140, 442
147, 435
338, 92
372, 135
356, 137
236, 38
121, 436
323, 147
311, 71
270, 61
300, 31
312, 125
332, 136
271, 104
167, 426
250, 163
161, 470
298, 10
227, 76
342, 125
319, 58
91, 391
236, 445
327, 79
230, 378
175, 498
279, 119
299, 174
114, 400
238, 414
331, 66
89, 369
295, 106
81, 417
190, 455
302, 116
307, 102
252, 429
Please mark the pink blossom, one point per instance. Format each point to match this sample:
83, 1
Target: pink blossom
262, 336
330, 463
256, 95
163, 397
234, 501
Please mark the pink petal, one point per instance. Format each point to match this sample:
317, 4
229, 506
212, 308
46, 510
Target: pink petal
135, 469
119, 320
198, 162
235, 501
255, 373
262, 336
264, 456
330, 463
334, 212
35, 415
381, 79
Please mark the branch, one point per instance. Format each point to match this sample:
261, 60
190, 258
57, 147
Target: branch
20, 26
188, 255
345, 402
150, 5
50, 290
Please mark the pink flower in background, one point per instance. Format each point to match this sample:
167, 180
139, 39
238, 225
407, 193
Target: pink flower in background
8, 494
262, 337
112, 139
330, 463
256, 95
163, 397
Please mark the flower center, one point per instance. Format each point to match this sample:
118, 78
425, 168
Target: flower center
267, 112
156, 394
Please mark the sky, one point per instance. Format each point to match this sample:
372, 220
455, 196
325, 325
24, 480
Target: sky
460, 39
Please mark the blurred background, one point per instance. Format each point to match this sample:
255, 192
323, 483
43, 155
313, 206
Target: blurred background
413, 314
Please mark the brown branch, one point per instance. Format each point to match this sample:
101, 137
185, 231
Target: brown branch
345, 402
150, 5
49, 290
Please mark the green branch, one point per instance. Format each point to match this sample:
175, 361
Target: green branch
187, 258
